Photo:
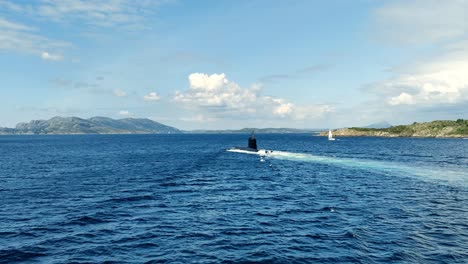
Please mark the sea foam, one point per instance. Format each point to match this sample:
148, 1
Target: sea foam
451, 175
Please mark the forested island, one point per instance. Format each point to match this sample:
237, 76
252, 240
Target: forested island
439, 128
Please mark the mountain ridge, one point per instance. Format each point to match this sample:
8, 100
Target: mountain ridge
106, 125
93, 125
257, 130
382, 124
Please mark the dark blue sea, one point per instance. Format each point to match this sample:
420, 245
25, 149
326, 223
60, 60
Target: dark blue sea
185, 199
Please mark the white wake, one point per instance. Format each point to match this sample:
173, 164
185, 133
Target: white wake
434, 172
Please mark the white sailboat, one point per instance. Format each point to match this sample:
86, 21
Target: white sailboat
330, 135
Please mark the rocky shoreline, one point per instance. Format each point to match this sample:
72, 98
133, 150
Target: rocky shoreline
434, 129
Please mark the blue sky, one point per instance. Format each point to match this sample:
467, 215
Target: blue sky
234, 64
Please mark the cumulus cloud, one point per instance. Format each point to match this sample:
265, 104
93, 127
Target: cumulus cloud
436, 80
153, 96
439, 81
120, 93
403, 98
216, 91
51, 57
209, 82
219, 96
283, 108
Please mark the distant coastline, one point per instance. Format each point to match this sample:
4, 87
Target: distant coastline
434, 129
104, 125
95, 125
283, 130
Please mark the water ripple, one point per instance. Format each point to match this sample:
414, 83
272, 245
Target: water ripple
131, 199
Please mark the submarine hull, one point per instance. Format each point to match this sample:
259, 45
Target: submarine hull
245, 149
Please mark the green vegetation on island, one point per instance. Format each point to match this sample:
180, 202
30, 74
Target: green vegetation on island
439, 128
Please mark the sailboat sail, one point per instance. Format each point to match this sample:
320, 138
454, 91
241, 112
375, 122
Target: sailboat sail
330, 135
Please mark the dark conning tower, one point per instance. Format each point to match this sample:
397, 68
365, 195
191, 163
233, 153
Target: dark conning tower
252, 141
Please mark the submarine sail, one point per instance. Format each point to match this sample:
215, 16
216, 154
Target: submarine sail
251, 146
252, 141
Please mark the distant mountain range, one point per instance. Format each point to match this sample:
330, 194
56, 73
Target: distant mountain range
258, 130
383, 124
105, 125
94, 125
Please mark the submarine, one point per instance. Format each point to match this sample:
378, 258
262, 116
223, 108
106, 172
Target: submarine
252, 145
251, 148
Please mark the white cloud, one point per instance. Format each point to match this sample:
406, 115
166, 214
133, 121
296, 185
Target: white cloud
403, 98
437, 80
218, 96
125, 14
199, 119
12, 6
5, 24
120, 93
313, 111
124, 113
51, 57
421, 21
283, 109
153, 96
21, 38
204, 82
122, 13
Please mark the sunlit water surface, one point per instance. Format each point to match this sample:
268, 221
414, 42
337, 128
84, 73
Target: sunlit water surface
184, 198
